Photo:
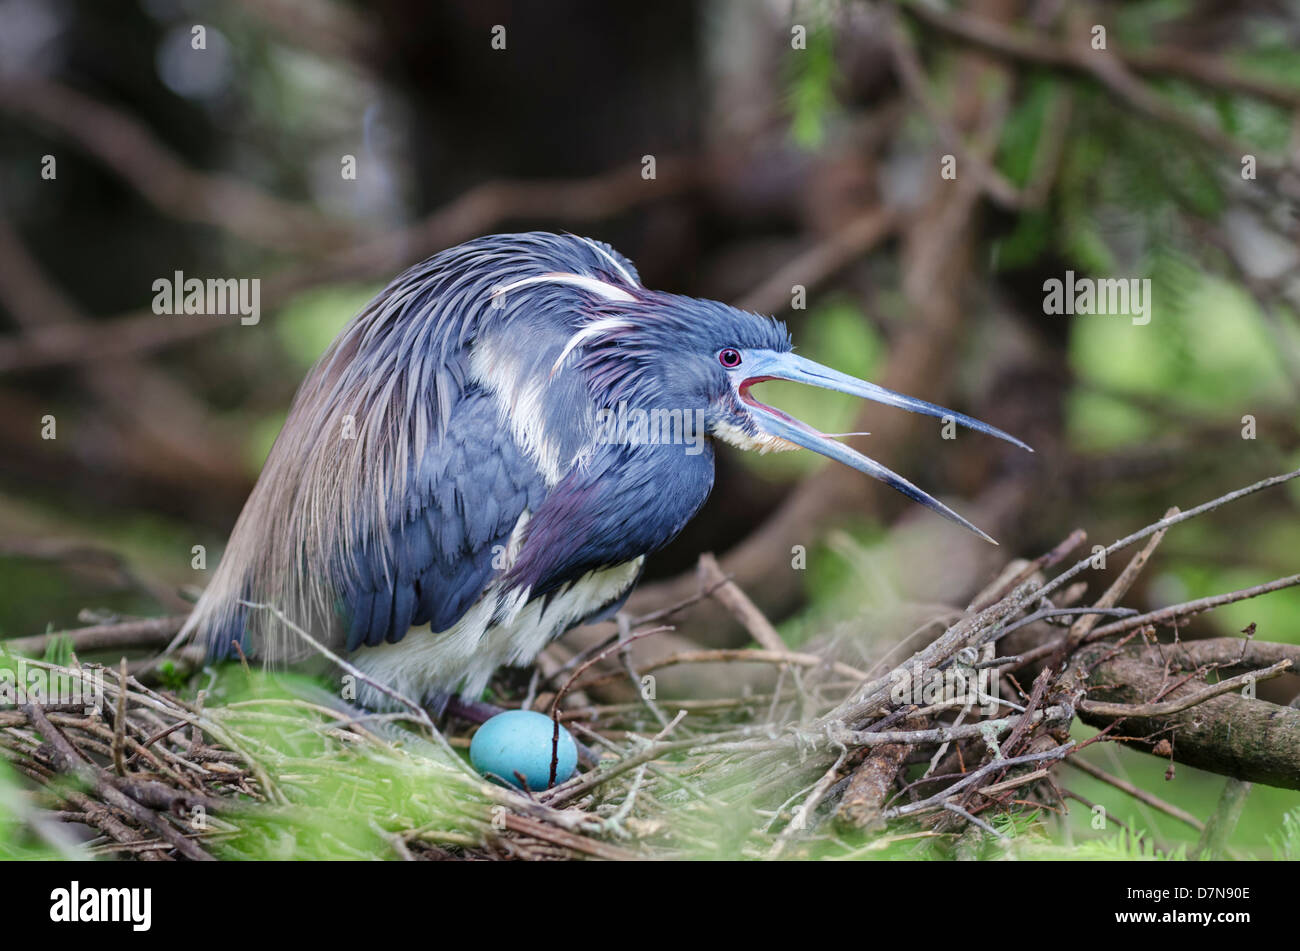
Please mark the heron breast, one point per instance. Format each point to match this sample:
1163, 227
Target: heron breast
502, 629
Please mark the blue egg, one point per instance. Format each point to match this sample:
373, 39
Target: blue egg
519, 741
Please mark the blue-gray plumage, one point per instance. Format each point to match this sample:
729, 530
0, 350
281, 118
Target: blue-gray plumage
450, 490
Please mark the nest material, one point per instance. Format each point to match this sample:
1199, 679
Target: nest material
827, 763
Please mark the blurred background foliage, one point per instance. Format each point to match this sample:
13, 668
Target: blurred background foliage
765, 153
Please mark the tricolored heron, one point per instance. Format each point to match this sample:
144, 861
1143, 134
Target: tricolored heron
447, 494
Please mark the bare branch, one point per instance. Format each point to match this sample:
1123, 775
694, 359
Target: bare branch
738, 603
131, 151
477, 211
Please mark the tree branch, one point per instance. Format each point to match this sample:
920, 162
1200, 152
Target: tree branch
1250, 739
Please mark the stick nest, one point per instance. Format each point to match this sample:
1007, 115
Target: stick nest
825, 762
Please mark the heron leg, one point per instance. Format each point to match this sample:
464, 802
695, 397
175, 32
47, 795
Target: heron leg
475, 711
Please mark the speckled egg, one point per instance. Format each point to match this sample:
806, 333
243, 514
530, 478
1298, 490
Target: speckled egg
519, 741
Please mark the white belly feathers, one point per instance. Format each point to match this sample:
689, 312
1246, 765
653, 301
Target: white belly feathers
427, 666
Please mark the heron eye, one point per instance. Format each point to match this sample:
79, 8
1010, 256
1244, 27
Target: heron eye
729, 358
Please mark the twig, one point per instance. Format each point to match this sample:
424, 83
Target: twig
119, 721
948, 733
936, 801
561, 837
1167, 707
907, 66
1051, 612
1165, 523
1155, 802
127, 147
953, 807
1014, 783
756, 656
822, 261
738, 603
999, 590
1111, 68
1163, 616
477, 211
421, 714
1189, 608
1214, 836
869, 785
629, 665
1197, 66
149, 632
807, 808
584, 784
71, 761
568, 685
1119, 587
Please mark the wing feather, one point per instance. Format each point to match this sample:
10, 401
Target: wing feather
466, 497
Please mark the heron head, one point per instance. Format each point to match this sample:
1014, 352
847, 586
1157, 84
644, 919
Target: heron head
705, 354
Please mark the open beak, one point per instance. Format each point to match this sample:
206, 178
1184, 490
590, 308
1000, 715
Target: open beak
772, 365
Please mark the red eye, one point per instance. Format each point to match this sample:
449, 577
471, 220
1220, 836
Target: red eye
729, 358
